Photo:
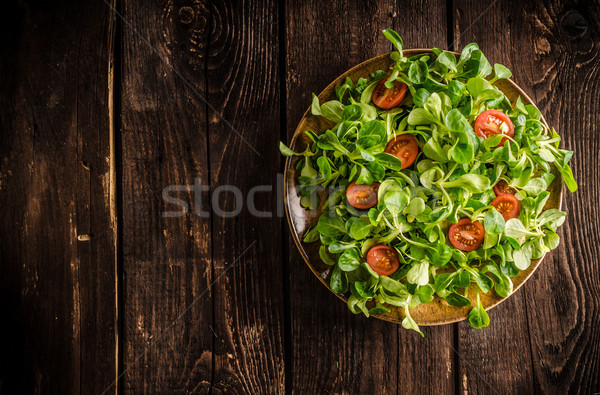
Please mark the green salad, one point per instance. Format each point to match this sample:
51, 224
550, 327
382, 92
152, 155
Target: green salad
434, 180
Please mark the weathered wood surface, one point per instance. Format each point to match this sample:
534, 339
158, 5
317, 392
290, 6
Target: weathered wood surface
550, 321
197, 94
167, 263
57, 255
223, 267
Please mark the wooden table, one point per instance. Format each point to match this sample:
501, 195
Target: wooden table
104, 105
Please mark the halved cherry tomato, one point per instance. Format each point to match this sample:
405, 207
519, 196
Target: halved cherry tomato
466, 235
383, 260
502, 187
488, 124
362, 196
508, 205
405, 148
386, 98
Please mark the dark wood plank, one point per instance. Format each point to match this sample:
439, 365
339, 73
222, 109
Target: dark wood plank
334, 351
243, 86
545, 338
168, 313
57, 248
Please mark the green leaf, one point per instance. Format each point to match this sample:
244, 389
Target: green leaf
439, 254
377, 171
420, 96
522, 257
361, 228
366, 155
503, 284
535, 186
425, 293
501, 72
364, 177
308, 171
463, 151
551, 216
409, 323
357, 305
466, 52
492, 142
379, 309
285, 151
394, 38
365, 97
352, 113
474, 183
456, 122
514, 228
324, 167
393, 286
551, 239
338, 281
331, 226
434, 151
332, 110
389, 161
442, 281
419, 273
448, 60
533, 112
340, 246
315, 109
568, 177
456, 299
418, 72
311, 235
430, 177
362, 290
395, 200
462, 280
420, 116
350, 260
324, 255
520, 106
415, 207
483, 282
333, 140
493, 222
373, 132
433, 105
478, 317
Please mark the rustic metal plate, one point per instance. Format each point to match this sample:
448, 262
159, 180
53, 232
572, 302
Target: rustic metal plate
436, 312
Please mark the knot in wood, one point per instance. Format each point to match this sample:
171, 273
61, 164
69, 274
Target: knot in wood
574, 24
186, 15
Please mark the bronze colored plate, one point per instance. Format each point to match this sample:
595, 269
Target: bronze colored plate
436, 312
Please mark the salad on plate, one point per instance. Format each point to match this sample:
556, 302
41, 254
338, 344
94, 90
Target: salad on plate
434, 180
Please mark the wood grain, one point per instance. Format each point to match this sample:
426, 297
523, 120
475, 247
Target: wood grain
168, 314
243, 86
362, 355
552, 320
198, 86
57, 252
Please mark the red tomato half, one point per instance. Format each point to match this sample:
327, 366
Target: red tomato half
362, 196
466, 235
502, 187
386, 98
405, 148
383, 260
508, 205
488, 124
